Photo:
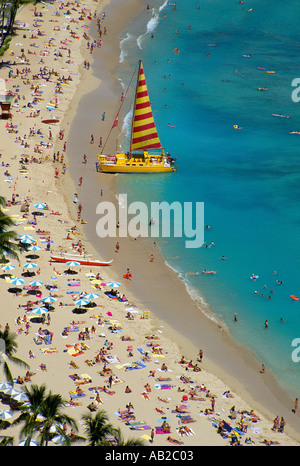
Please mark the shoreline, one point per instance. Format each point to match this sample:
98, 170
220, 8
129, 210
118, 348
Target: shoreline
135, 254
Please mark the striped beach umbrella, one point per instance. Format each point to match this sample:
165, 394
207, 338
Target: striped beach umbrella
91, 296
36, 283
8, 267
113, 284
49, 299
29, 265
34, 248
39, 310
17, 281
40, 205
25, 237
27, 240
72, 263
82, 302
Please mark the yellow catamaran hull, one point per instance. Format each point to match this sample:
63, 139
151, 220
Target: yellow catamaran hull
123, 164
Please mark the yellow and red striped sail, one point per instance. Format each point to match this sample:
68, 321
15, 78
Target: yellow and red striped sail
143, 133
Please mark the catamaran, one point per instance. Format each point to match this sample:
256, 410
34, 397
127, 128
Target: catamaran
146, 154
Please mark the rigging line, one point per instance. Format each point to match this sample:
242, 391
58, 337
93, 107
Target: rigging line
117, 115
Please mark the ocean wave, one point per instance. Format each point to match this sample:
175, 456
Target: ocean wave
123, 53
151, 26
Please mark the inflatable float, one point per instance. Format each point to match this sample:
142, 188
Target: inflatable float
294, 297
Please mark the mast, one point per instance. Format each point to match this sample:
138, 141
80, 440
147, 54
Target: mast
134, 108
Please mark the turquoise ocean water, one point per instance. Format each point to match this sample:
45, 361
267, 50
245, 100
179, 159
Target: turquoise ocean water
248, 178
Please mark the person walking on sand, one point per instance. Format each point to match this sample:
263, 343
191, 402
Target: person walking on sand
100, 142
92, 139
84, 159
103, 116
152, 435
200, 355
295, 405
80, 181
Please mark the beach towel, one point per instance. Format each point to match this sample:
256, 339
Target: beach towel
159, 386
141, 427
159, 430
140, 364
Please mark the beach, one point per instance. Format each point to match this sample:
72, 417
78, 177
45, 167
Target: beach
151, 320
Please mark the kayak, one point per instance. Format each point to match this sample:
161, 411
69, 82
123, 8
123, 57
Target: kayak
89, 262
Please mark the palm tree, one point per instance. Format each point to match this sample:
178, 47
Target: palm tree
97, 427
9, 348
43, 414
9, 244
132, 442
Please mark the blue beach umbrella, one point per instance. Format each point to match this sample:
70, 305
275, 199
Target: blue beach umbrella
29, 265
49, 299
34, 248
27, 240
40, 205
17, 281
26, 237
8, 267
82, 302
113, 284
39, 310
91, 296
72, 263
36, 283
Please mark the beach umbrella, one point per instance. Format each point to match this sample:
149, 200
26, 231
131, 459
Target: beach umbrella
25, 444
72, 263
5, 386
113, 284
10, 391
8, 267
39, 310
91, 296
34, 248
25, 237
17, 281
82, 302
59, 440
49, 299
5, 414
40, 205
36, 283
53, 279
29, 265
27, 241
21, 396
